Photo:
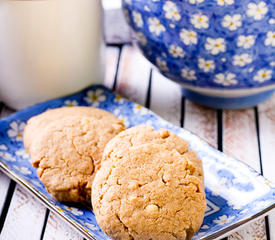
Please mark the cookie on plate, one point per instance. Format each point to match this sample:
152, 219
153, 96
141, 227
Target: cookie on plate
150, 186
67, 152
143, 134
39, 122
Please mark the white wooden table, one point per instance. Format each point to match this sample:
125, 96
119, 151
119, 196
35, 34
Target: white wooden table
246, 134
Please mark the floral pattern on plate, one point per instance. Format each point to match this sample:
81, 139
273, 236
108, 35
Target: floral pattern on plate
234, 192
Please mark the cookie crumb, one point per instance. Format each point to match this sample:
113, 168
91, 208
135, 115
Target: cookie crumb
133, 198
165, 178
133, 185
164, 133
152, 208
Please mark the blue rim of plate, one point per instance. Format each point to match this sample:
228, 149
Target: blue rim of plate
223, 211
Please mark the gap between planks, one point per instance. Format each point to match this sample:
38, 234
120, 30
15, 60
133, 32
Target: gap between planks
241, 142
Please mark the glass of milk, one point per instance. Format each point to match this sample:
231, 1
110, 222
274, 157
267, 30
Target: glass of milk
48, 48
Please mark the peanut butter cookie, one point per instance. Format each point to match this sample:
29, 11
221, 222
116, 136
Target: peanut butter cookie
36, 123
150, 186
67, 152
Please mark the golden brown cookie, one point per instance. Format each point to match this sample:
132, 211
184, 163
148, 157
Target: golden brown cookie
67, 153
144, 134
39, 122
148, 187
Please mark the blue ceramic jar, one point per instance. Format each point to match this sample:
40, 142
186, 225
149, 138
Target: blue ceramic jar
221, 51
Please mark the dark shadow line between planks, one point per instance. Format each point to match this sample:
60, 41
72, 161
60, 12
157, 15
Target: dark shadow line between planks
258, 137
220, 136
118, 45
7, 204
9, 193
117, 67
45, 223
182, 114
220, 129
256, 113
148, 95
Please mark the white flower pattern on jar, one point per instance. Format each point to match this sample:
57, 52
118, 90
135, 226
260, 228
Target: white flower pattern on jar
171, 11
242, 60
224, 2
176, 51
206, 65
215, 46
162, 64
188, 74
137, 18
257, 11
200, 21
246, 41
270, 39
195, 1
188, 37
232, 22
263, 75
141, 38
155, 26
227, 79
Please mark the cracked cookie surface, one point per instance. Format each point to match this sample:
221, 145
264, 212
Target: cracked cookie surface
68, 151
150, 186
36, 123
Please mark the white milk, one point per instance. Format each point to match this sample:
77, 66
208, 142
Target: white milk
48, 48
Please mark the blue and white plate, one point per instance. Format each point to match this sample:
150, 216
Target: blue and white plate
235, 193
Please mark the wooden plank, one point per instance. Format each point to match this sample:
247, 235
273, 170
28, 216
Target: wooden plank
201, 121
266, 113
24, 210
240, 140
57, 229
133, 75
166, 98
267, 137
116, 29
4, 183
25, 217
271, 221
254, 231
111, 61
